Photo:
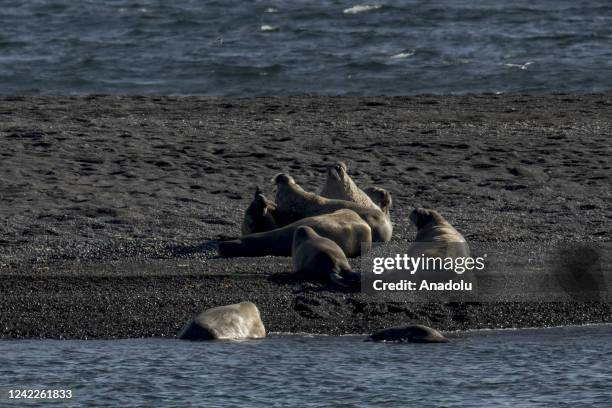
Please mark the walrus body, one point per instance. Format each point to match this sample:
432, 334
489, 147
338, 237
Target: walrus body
345, 227
259, 216
437, 239
320, 259
340, 186
432, 228
416, 333
296, 203
231, 322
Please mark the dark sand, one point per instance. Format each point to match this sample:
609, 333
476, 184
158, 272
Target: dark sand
107, 203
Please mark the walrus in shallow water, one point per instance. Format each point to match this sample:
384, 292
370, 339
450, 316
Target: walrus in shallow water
231, 322
259, 216
295, 203
321, 259
415, 333
340, 186
345, 227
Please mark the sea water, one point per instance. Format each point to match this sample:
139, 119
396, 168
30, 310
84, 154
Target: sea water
561, 367
278, 47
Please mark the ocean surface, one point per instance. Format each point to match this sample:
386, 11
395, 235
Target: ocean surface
560, 367
232, 47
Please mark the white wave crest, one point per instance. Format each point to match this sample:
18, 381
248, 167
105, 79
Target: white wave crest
361, 8
267, 27
403, 55
519, 66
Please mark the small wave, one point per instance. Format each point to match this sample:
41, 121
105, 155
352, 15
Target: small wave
528, 328
245, 71
519, 66
9, 43
142, 10
404, 54
271, 10
361, 8
305, 334
365, 64
268, 28
128, 81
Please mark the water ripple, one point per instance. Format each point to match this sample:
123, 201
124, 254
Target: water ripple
66, 47
535, 368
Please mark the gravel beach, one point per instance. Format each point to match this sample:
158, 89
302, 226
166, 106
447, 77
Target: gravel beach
110, 205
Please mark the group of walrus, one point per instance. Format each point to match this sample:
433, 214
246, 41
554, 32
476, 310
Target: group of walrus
320, 231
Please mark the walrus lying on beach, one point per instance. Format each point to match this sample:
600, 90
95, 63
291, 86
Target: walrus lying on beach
340, 186
445, 248
433, 228
345, 227
295, 203
231, 322
321, 259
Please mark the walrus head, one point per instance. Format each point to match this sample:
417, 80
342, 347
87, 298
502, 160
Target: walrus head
420, 217
283, 178
337, 171
381, 197
302, 234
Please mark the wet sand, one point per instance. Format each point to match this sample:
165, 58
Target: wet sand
108, 204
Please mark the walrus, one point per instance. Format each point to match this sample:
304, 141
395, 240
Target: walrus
433, 228
295, 203
321, 259
345, 227
259, 216
437, 239
340, 186
416, 333
231, 322
381, 197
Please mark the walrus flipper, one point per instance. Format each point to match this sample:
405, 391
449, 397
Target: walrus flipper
259, 216
346, 278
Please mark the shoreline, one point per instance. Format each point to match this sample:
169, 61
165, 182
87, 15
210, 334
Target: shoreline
150, 307
450, 334
456, 331
109, 203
